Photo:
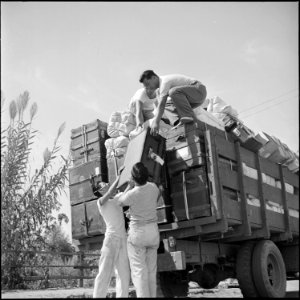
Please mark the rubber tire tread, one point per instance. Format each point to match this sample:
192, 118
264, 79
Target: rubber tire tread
261, 279
244, 270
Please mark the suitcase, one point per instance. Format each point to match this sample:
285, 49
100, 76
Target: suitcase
164, 207
185, 149
164, 214
190, 195
148, 149
114, 163
86, 220
244, 135
79, 180
87, 142
95, 222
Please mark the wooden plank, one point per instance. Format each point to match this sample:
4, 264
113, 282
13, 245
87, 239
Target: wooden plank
244, 206
229, 178
232, 209
57, 266
270, 168
225, 148
261, 196
248, 157
54, 252
182, 131
285, 205
252, 186
290, 177
56, 277
213, 175
272, 193
292, 201
294, 222
255, 218
275, 221
191, 223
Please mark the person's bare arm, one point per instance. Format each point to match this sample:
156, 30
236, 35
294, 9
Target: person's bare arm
159, 113
139, 114
109, 193
130, 186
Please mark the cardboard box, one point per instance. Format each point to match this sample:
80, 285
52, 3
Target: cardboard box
270, 147
208, 118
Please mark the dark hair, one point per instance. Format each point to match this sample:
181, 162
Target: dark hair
147, 75
139, 173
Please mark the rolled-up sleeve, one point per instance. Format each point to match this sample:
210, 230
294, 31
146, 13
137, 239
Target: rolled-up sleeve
124, 199
164, 88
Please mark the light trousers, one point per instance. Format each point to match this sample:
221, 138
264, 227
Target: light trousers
113, 256
142, 245
182, 100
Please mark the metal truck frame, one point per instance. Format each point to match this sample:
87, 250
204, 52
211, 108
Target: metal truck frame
253, 231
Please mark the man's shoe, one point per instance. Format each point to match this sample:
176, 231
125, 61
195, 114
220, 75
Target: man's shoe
184, 120
165, 120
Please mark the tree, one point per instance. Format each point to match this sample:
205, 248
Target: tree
27, 201
58, 241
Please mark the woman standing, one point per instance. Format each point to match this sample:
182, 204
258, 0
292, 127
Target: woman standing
143, 235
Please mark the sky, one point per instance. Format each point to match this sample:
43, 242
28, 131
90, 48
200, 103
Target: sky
81, 61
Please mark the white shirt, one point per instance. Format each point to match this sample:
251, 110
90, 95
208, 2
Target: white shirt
113, 217
142, 202
141, 95
169, 81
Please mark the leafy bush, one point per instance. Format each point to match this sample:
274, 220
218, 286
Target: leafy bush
27, 202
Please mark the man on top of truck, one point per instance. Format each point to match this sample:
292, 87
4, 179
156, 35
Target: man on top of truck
177, 96
142, 105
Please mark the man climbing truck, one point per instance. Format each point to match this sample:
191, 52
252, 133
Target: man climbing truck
225, 212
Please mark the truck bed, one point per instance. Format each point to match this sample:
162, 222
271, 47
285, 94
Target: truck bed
250, 196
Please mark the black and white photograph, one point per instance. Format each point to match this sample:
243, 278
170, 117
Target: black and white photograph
149, 149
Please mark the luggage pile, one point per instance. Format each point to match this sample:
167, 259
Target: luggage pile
176, 161
267, 146
278, 152
119, 127
187, 173
88, 155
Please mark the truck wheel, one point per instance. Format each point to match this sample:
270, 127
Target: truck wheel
268, 270
244, 270
172, 284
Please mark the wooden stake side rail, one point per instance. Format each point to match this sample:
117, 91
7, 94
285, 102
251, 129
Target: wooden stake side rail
236, 217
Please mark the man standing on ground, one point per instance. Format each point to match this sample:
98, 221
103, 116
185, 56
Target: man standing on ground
114, 248
177, 96
143, 235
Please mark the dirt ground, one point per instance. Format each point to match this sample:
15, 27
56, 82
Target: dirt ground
194, 292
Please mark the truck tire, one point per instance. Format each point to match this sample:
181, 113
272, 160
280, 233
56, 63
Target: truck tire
268, 270
172, 284
244, 270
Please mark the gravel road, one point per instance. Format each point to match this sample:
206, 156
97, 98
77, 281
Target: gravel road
195, 292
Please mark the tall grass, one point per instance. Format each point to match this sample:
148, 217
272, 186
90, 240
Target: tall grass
27, 202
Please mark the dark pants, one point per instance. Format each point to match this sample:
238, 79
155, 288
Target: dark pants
183, 100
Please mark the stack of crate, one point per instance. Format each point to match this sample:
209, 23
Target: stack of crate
187, 174
88, 154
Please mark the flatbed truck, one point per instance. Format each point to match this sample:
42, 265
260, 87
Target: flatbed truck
251, 234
